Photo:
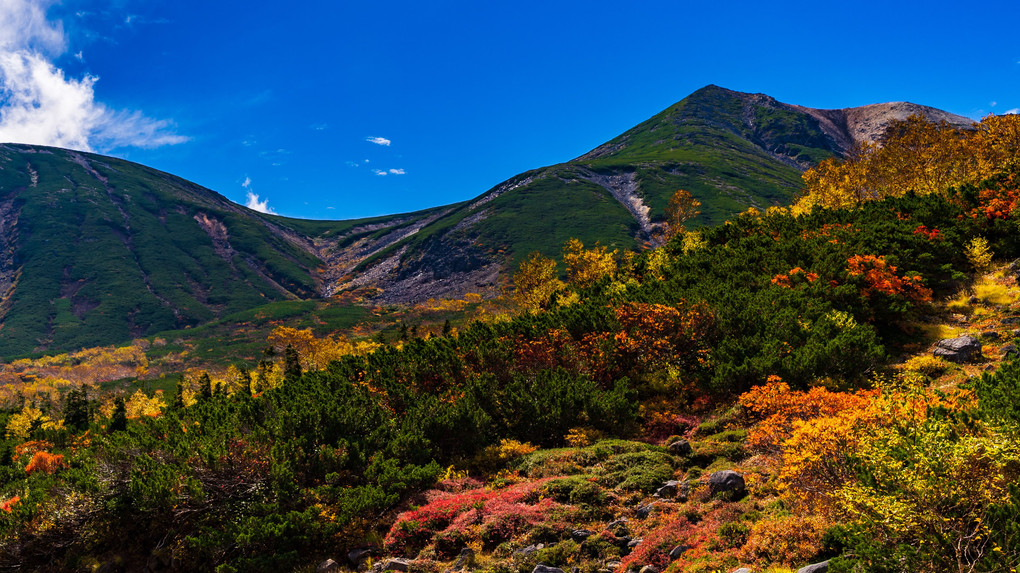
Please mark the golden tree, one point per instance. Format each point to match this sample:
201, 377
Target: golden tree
535, 282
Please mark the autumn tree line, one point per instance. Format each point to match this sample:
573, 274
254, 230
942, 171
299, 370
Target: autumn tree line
791, 314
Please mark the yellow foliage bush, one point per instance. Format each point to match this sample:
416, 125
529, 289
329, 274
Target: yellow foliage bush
785, 540
582, 437
930, 366
979, 254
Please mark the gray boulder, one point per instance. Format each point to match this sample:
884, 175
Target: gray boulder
680, 448
816, 568
727, 482
327, 566
580, 534
668, 489
357, 556
464, 560
742, 570
649, 569
1008, 349
546, 569
959, 349
990, 335
644, 511
677, 551
396, 564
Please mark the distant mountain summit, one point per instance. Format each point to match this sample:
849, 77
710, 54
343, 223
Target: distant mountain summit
96, 250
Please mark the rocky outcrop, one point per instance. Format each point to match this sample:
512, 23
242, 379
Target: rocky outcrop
959, 349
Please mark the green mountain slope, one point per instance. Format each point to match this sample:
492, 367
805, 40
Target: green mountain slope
96, 250
99, 250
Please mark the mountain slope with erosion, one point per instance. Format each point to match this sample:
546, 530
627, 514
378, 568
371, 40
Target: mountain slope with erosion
96, 250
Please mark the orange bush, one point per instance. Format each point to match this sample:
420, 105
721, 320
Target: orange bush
880, 277
9, 504
45, 462
778, 409
657, 334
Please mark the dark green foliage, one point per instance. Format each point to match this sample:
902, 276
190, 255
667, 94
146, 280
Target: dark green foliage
999, 394
77, 409
118, 421
291, 364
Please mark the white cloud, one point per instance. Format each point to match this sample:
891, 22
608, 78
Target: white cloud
994, 103
247, 182
378, 141
1013, 111
254, 204
379, 172
397, 171
40, 105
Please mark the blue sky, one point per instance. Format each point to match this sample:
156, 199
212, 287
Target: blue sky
338, 109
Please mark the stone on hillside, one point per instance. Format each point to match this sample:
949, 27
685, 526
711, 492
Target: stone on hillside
742, 570
677, 552
327, 566
668, 489
622, 522
580, 534
634, 543
546, 569
464, 560
1008, 349
1011, 320
990, 335
728, 482
973, 300
396, 564
612, 565
816, 568
357, 556
680, 448
959, 349
649, 569
526, 551
644, 511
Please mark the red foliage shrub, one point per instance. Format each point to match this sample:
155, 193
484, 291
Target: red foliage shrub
500, 514
930, 234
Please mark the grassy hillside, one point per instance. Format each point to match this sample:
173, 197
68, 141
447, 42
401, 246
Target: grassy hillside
105, 250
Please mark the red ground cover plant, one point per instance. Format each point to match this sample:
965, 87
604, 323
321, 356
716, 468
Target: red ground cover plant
495, 515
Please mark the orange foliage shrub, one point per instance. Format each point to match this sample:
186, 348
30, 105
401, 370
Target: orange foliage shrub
796, 273
28, 449
880, 277
998, 202
656, 334
778, 408
45, 462
9, 504
786, 540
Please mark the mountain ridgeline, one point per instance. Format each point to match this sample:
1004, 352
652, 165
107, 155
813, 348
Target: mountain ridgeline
96, 250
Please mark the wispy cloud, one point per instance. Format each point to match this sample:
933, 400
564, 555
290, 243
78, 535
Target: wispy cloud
1013, 111
378, 141
320, 126
380, 172
39, 104
397, 172
255, 204
247, 182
